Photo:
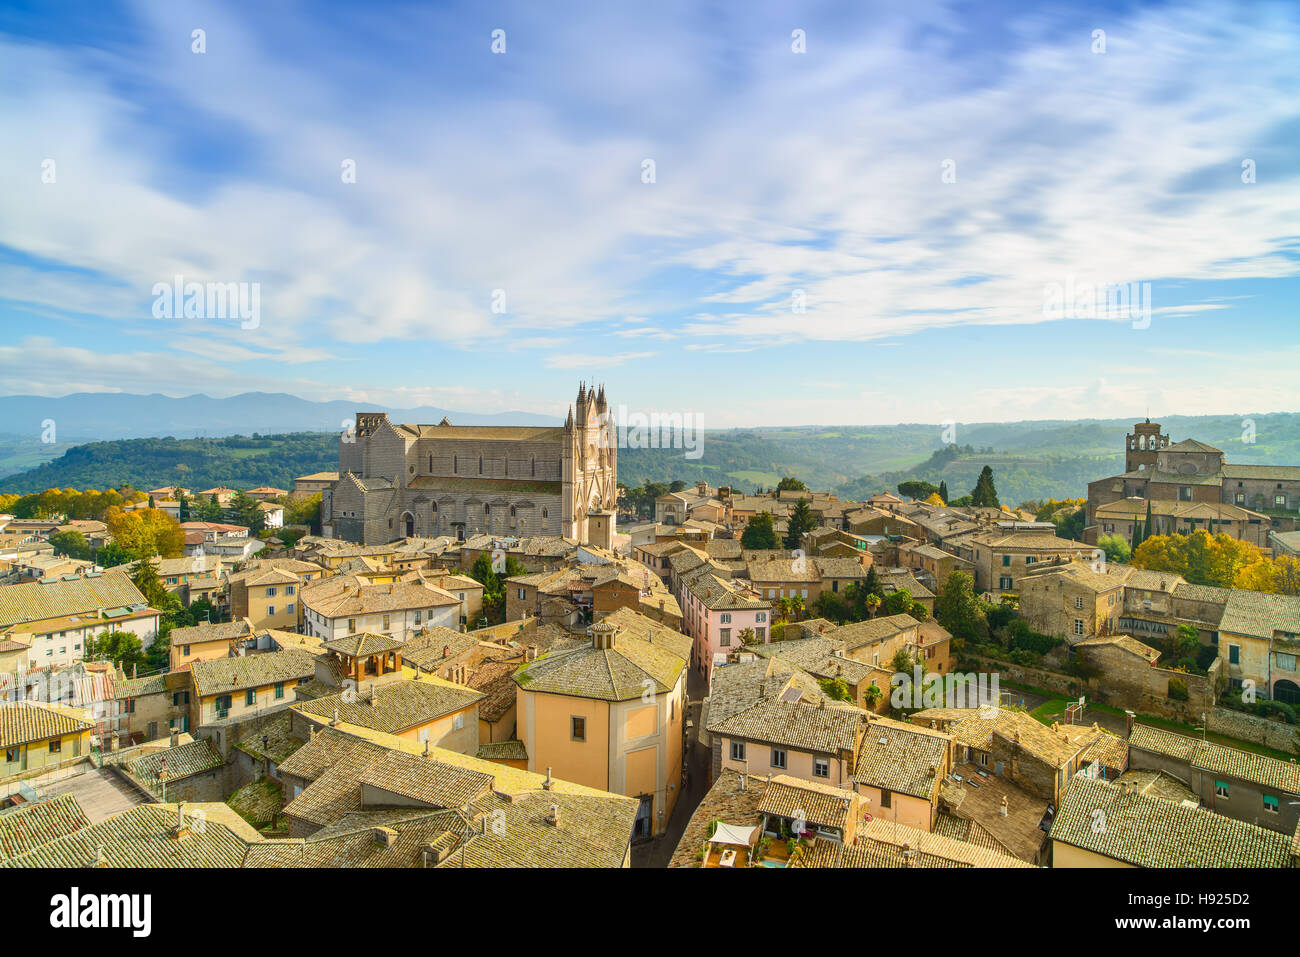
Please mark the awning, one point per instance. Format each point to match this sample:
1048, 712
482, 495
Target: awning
731, 834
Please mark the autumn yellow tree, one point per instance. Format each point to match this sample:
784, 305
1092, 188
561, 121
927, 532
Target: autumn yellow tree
146, 532
1200, 557
1279, 575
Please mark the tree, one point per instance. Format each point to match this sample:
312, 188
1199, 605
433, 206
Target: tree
915, 489
790, 484
747, 636
1186, 641
837, 689
984, 495
959, 611
119, 647
1279, 575
1200, 557
759, 533
897, 603
184, 511
145, 577
796, 607
872, 602
801, 520
70, 543
1147, 527
112, 555
782, 608
935, 499
943, 491
146, 532
246, 512
1116, 549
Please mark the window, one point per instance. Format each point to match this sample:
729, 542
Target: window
1006, 560
1078, 601
56, 746
984, 759
1184, 493
761, 616
760, 634
520, 594
1279, 501
288, 609
1029, 559
386, 622
821, 767
250, 697
1220, 789
886, 798
185, 651
270, 592
459, 723
417, 616
1240, 498
1234, 654
1005, 583
726, 618
1078, 626
737, 750
1270, 804
12, 754
279, 690
778, 758
352, 626
578, 728
270, 609
290, 589
724, 638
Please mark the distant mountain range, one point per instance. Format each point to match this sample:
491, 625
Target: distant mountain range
94, 417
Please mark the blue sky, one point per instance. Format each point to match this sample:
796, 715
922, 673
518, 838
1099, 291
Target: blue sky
779, 176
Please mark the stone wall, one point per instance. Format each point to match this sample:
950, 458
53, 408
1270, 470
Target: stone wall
1277, 735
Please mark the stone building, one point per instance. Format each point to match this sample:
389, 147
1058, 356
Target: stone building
399, 481
1170, 474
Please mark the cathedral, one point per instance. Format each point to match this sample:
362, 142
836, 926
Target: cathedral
399, 481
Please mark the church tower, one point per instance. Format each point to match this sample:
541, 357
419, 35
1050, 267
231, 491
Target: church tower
1142, 444
589, 469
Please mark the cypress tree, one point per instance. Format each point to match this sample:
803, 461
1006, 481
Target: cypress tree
943, 492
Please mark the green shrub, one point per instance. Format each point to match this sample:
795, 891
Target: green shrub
1177, 689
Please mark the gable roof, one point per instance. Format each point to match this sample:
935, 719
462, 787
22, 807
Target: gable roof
1149, 831
31, 825
225, 675
22, 722
394, 706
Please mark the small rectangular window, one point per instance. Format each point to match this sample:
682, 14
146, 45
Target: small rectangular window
1220, 789
578, 728
737, 750
821, 767
778, 758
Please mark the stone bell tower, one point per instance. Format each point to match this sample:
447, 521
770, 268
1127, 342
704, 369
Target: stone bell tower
1142, 444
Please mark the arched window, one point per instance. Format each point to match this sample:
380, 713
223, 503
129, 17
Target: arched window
430, 464
434, 508
480, 465
545, 513
512, 511
487, 509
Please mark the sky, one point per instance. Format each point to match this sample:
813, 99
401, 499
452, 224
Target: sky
762, 214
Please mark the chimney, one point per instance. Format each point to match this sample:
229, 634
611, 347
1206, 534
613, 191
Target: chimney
548, 784
530, 653
335, 722
553, 818
385, 836
175, 738
180, 832
426, 747
1002, 811
101, 859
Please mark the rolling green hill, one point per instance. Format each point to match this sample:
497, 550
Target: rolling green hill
1029, 459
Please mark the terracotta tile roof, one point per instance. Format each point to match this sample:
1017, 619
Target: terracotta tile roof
425, 779
818, 804
884, 843
32, 825
902, 758
394, 706
1216, 758
804, 726
610, 674
1149, 831
362, 645
37, 601
23, 722
181, 761
143, 837
226, 675
221, 631
503, 751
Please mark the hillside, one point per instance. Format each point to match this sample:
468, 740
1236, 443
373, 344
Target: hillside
237, 462
1029, 459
